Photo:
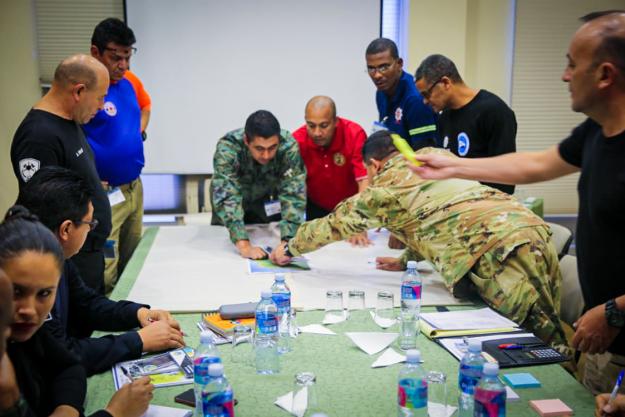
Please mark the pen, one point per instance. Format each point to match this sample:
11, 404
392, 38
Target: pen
615, 389
127, 374
510, 346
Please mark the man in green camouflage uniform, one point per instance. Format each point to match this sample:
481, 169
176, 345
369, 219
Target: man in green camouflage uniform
468, 231
259, 177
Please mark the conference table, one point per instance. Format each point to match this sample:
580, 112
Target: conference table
168, 267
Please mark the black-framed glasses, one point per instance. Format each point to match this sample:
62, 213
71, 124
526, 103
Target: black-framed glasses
119, 55
428, 93
92, 224
381, 68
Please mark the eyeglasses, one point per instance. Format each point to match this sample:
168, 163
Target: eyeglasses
119, 55
428, 93
381, 69
92, 224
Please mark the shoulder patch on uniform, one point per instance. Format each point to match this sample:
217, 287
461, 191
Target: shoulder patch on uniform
28, 167
399, 114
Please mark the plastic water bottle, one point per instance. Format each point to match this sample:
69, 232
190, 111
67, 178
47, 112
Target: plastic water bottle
205, 354
281, 295
217, 396
490, 394
266, 346
410, 306
469, 375
412, 388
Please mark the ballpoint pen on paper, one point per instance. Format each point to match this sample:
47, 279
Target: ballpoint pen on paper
616, 388
127, 374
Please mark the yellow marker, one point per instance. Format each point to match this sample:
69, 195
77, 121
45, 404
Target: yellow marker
404, 148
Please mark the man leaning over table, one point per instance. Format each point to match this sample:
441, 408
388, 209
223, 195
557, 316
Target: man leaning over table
595, 75
259, 177
468, 231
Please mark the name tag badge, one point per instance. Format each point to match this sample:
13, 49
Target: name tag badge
116, 196
272, 208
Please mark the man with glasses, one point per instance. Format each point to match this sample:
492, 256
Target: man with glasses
50, 135
400, 106
472, 123
116, 136
61, 200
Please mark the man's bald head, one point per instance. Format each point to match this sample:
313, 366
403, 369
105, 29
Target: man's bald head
6, 309
321, 120
321, 103
79, 69
608, 27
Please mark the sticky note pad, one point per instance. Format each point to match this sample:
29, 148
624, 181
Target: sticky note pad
551, 408
521, 380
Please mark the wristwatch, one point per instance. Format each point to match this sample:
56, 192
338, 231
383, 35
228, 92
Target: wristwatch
287, 252
614, 316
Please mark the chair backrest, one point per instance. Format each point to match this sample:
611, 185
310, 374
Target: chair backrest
562, 238
571, 301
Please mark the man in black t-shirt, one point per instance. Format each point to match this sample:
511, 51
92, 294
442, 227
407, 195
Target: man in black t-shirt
50, 135
596, 78
472, 123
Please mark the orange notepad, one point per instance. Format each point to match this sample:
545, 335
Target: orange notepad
551, 408
213, 320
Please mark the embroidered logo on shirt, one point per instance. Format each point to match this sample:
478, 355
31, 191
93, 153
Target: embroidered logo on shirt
463, 144
79, 152
339, 159
110, 109
28, 167
399, 113
446, 142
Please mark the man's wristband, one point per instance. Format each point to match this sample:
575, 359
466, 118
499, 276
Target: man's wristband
287, 252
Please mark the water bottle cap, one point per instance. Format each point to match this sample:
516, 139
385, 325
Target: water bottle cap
280, 277
265, 294
411, 265
475, 345
215, 369
491, 369
413, 356
206, 337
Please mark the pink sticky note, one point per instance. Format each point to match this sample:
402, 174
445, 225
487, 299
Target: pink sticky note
551, 408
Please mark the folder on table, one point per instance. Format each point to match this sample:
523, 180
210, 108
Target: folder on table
465, 322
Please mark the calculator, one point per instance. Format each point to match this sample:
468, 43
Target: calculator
533, 352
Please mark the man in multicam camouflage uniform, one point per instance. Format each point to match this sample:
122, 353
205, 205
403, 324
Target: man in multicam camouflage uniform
468, 231
259, 177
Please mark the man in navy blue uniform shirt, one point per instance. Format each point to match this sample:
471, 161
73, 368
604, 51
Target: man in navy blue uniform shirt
400, 106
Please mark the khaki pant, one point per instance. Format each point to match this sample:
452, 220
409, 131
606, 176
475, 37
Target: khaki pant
601, 371
126, 233
520, 278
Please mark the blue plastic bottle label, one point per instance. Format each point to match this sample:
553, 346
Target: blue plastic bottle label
490, 403
218, 404
411, 292
469, 377
267, 323
282, 300
200, 367
412, 393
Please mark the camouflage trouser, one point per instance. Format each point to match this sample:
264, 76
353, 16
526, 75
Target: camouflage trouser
601, 370
520, 278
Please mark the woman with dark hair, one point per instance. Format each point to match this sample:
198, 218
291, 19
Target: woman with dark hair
49, 378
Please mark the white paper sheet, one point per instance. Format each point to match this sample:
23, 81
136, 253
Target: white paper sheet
389, 357
437, 409
372, 342
457, 347
201, 261
316, 329
162, 411
483, 318
297, 407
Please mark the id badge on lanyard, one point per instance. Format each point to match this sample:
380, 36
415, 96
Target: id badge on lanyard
272, 207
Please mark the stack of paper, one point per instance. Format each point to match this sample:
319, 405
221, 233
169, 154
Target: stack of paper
465, 322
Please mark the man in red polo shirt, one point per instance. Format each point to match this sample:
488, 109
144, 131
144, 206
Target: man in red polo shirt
331, 148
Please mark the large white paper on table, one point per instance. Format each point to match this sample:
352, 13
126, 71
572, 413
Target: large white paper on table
200, 261
372, 342
479, 319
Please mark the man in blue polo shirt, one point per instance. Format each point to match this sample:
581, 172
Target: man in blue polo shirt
400, 106
116, 137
